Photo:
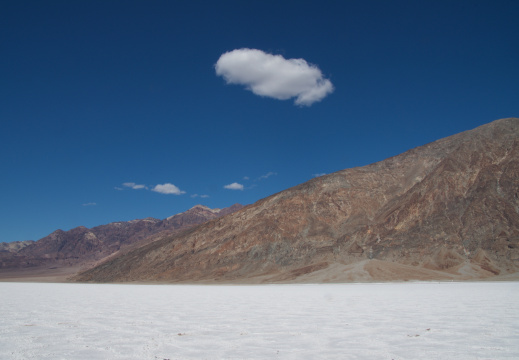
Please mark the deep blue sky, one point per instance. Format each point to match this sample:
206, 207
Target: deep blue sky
94, 94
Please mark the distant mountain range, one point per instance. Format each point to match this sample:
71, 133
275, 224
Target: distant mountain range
446, 210
83, 247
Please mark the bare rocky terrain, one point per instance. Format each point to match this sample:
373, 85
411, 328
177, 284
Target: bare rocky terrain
63, 253
448, 210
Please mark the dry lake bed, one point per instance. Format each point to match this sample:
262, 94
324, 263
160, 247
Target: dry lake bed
472, 320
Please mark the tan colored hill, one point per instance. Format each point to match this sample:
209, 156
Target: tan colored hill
445, 210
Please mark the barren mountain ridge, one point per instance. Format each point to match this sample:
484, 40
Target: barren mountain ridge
445, 210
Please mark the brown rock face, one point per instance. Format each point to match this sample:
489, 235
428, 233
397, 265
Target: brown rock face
445, 210
82, 246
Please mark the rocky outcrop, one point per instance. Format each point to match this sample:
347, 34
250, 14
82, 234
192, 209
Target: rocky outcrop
448, 209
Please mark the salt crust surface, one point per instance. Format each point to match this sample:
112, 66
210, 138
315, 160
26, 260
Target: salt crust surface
342, 321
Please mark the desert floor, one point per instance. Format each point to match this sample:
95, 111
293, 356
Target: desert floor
447, 320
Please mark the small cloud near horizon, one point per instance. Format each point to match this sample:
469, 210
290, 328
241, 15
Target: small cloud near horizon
234, 186
134, 186
200, 196
317, 175
168, 189
267, 175
274, 76
90, 204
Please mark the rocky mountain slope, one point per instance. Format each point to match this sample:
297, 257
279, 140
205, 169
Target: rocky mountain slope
82, 246
445, 210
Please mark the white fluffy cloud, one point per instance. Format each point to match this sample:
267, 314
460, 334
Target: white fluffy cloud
234, 186
134, 185
168, 189
274, 76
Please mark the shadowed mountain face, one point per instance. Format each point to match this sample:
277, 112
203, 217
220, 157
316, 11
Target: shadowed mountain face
445, 210
83, 246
